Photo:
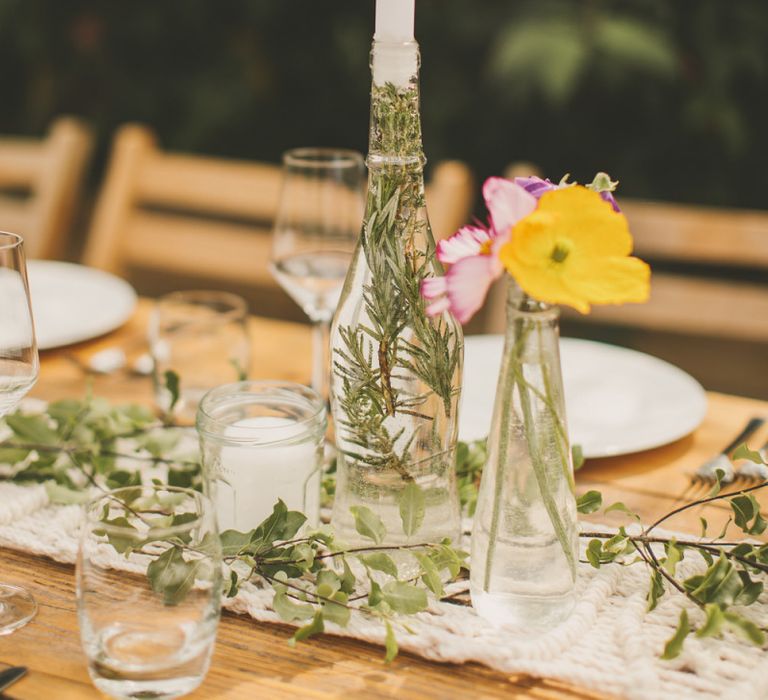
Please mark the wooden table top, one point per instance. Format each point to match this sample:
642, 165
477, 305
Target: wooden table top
253, 660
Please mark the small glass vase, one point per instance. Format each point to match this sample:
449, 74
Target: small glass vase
525, 536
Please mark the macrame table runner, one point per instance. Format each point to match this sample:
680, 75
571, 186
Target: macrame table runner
609, 644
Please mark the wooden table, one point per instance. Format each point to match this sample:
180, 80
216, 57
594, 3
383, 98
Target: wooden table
252, 660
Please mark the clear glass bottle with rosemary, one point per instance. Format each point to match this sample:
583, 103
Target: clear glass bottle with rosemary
396, 372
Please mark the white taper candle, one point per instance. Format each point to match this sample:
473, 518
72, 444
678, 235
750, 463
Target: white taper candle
394, 20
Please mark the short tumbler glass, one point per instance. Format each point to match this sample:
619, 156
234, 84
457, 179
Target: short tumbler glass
149, 590
262, 441
202, 336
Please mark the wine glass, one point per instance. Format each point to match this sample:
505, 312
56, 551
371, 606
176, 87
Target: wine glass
316, 230
19, 367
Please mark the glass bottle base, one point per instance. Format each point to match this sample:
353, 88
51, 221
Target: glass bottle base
534, 613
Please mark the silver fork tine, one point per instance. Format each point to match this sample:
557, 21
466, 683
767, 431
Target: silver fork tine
706, 475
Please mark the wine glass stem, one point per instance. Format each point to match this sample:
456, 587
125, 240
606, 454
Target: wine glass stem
321, 369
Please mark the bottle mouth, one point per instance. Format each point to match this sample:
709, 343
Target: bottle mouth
9, 241
322, 158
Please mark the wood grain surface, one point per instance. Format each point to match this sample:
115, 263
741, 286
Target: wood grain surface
253, 660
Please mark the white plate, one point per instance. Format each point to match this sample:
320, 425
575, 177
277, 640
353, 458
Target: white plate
618, 401
72, 303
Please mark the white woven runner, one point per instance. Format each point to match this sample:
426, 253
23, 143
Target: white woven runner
609, 644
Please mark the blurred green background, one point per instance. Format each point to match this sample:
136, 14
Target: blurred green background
669, 96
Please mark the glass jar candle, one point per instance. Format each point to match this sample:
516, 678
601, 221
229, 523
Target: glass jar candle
261, 441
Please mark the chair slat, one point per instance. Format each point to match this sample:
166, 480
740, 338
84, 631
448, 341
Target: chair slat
203, 248
698, 234
206, 184
697, 306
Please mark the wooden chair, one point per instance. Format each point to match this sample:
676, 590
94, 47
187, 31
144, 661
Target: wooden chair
197, 216
701, 258
450, 195
40, 182
183, 214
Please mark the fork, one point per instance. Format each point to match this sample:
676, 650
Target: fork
706, 475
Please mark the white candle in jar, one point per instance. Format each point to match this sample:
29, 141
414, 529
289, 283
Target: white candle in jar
275, 464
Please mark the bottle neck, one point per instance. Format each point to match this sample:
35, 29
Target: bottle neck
395, 128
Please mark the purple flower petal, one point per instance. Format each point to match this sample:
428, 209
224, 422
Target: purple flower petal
535, 185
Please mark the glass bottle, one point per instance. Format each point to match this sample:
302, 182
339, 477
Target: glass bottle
525, 535
396, 372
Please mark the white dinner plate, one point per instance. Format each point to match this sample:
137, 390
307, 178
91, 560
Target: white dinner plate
72, 303
618, 401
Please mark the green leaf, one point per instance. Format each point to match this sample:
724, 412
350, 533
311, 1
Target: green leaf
447, 558
674, 646
33, 428
281, 525
368, 524
674, 557
619, 506
348, 581
234, 584
129, 538
336, 610
655, 590
328, 583
713, 624
172, 384
234, 542
390, 644
750, 591
375, 596
745, 628
65, 496
404, 598
293, 523
746, 511
171, 575
313, 628
594, 550
724, 530
13, 455
704, 526
719, 474
288, 609
743, 452
412, 506
577, 454
589, 502
380, 562
720, 584
431, 576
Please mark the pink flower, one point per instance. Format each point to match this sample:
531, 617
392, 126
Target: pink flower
472, 252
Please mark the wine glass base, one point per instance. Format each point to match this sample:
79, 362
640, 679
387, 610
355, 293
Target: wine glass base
17, 608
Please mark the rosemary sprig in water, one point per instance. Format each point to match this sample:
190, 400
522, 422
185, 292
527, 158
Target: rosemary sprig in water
380, 358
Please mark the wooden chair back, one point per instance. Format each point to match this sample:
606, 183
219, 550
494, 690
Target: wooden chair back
710, 273
211, 217
450, 195
40, 183
184, 214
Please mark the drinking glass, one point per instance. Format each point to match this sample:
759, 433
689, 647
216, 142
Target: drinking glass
260, 442
19, 367
202, 336
148, 590
316, 230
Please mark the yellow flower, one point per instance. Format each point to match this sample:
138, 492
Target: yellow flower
575, 249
